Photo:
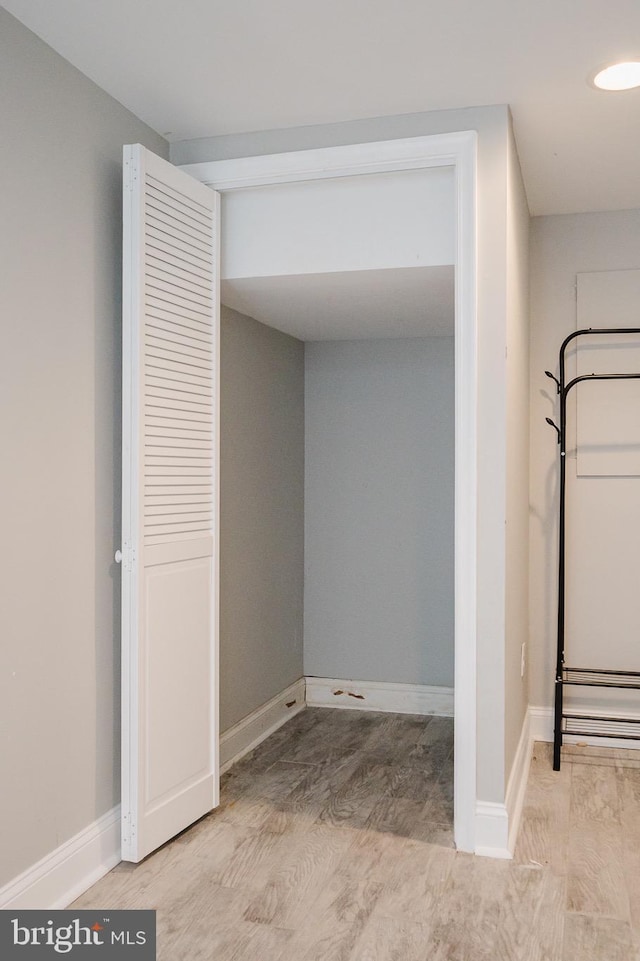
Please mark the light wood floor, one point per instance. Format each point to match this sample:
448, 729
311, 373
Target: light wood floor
333, 842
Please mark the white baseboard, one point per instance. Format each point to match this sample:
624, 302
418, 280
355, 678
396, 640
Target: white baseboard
541, 724
497, 824
251, 730
66, 873
379, 696
492, 830
517, 783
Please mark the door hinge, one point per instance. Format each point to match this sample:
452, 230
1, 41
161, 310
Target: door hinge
129, 175
128, 828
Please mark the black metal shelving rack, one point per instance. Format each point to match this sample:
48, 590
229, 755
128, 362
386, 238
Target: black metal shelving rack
565, 722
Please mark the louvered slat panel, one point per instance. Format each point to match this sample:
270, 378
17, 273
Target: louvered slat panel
162, 398
158, 212
178, 267
186, 407
177, 295
171, 442
188, 258
170, 327
155, 438
161, 219
181, 215
155, 457
176, 418
165, 539
174, 395
193, 473
178, 292
161, 366
178, 208
179, 340
159, 238
178, 366
173, 327
190, 289
164, 497
177, 363
174, 373
182, 497
162, 310
177, 513
171, 273
199, 365
180, 527
161, 505
168, 367
178, 196
179, 353
173, 428
200, 440
159, 487
159, 377
180, 344
171, 302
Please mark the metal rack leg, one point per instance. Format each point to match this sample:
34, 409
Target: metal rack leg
557, 726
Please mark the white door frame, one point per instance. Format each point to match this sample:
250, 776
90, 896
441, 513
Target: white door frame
458, 150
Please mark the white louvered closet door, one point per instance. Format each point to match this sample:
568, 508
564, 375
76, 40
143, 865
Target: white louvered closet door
170, 502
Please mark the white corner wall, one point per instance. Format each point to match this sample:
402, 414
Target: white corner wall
517, 467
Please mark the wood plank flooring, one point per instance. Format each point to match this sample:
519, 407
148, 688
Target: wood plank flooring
334, 842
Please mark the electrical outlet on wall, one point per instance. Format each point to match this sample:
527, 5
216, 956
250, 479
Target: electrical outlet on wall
523, 659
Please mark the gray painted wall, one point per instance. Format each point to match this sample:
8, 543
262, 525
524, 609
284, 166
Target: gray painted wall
379, 510
60, 259
561, 247
261, 514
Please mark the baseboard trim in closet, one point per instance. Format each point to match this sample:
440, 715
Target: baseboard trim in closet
253, 729
379, 696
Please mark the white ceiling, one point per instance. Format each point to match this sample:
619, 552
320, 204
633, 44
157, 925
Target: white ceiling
351, 305
201, 68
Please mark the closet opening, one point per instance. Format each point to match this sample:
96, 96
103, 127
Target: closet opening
337, 577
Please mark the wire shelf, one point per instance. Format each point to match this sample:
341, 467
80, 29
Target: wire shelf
595, 726
591, 677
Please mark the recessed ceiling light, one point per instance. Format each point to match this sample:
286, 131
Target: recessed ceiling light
619, 76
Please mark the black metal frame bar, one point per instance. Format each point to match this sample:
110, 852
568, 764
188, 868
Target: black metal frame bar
563, 390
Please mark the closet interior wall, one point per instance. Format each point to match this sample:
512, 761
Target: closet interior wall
261, 513
337, 483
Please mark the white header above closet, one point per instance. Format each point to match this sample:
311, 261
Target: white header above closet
373, 221
344, 258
